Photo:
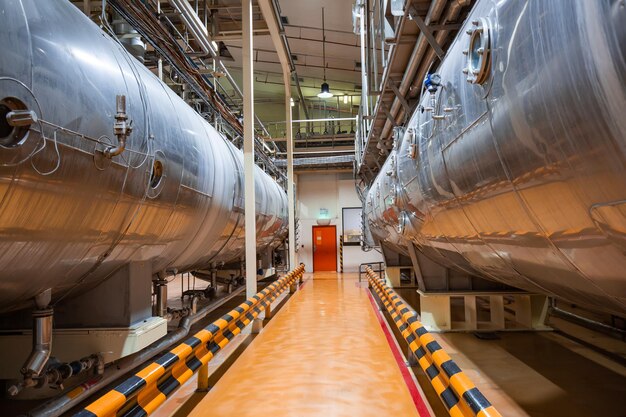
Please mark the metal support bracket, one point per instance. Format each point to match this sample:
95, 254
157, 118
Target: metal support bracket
411, 359
405, 104
385, 110
423, 27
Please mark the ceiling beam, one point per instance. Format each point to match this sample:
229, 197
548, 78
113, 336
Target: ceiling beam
237, 35
342, 58
270, 11
232, 26
320, 29
299, 38
310, 66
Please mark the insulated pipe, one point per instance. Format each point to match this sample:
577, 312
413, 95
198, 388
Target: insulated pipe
129, 37
175, 191
486, 189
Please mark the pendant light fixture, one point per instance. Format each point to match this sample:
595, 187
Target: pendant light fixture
325, 90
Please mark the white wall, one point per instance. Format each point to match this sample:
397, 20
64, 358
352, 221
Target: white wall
332, 191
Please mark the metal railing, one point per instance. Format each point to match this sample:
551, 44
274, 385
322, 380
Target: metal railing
327, 127
380, 268
144, 392
457, 392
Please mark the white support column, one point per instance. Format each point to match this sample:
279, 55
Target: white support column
248, 148
272, 18
290, 181
364, 76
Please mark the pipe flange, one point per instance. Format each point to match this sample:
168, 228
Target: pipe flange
157, 174
99, 158
478, 52
18, 143
43, 313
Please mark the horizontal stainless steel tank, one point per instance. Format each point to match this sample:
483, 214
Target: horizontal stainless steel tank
69, 216
514, 167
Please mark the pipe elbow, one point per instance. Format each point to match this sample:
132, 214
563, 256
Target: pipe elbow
115, 150
37, 360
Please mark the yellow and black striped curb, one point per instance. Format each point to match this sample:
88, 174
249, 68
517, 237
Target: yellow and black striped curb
457, 392
141, 394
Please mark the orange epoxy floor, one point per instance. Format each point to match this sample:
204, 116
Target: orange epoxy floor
323, 354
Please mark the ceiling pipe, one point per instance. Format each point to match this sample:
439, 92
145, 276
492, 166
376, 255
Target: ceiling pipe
271, 13
275, 19
201, 34
422, 55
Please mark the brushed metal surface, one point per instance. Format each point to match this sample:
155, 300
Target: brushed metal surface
69, 218
522, 180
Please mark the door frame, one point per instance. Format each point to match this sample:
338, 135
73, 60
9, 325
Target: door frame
313, 242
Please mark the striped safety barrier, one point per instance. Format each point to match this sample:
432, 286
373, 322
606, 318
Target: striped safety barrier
341, 254
141, 394
457, 392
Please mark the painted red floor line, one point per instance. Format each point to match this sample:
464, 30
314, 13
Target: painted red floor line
418, 400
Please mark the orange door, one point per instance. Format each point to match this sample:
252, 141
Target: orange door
324, 248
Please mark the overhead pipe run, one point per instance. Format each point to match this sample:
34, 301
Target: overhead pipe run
422, 54
129, 37
200, 33
434, 13
274, 18
149, 25
269, 9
